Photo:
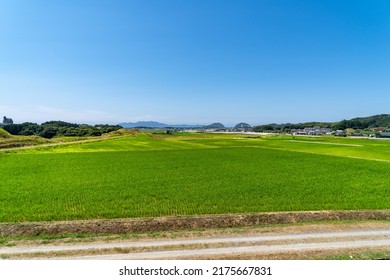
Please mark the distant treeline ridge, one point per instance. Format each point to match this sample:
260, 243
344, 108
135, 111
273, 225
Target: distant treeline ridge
356, 123
59, 128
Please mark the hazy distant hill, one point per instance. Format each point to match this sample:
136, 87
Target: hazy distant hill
143, 124
242, 126
382, 120
153, 124
214, 126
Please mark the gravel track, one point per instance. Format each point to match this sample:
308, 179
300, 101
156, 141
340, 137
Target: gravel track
226, 245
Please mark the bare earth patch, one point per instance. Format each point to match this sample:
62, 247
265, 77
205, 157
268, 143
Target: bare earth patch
120, 226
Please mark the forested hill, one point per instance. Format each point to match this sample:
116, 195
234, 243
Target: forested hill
373, 121
59, 128
382, 120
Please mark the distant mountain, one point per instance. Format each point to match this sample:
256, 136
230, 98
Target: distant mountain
214, 126
143, 124
242, 126
186, 126
382, 120
153, 124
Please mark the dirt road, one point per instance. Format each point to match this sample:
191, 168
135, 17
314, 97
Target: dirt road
274, 243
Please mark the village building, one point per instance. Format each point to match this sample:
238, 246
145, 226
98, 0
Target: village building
385, 133
311, 131
6, 121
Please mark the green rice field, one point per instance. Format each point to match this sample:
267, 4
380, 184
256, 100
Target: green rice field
149, 175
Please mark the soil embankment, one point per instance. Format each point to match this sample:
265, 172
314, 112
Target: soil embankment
117, 226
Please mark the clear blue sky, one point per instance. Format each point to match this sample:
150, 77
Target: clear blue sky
194, 61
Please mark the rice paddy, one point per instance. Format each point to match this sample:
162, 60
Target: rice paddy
151, 175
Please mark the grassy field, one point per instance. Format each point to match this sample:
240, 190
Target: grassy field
149, 175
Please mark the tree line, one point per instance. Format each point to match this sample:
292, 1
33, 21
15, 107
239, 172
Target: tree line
59, 128
356, 123
287, 127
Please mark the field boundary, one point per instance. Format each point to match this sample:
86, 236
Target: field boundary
70, 143
120, 226
320, 154
326, 143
